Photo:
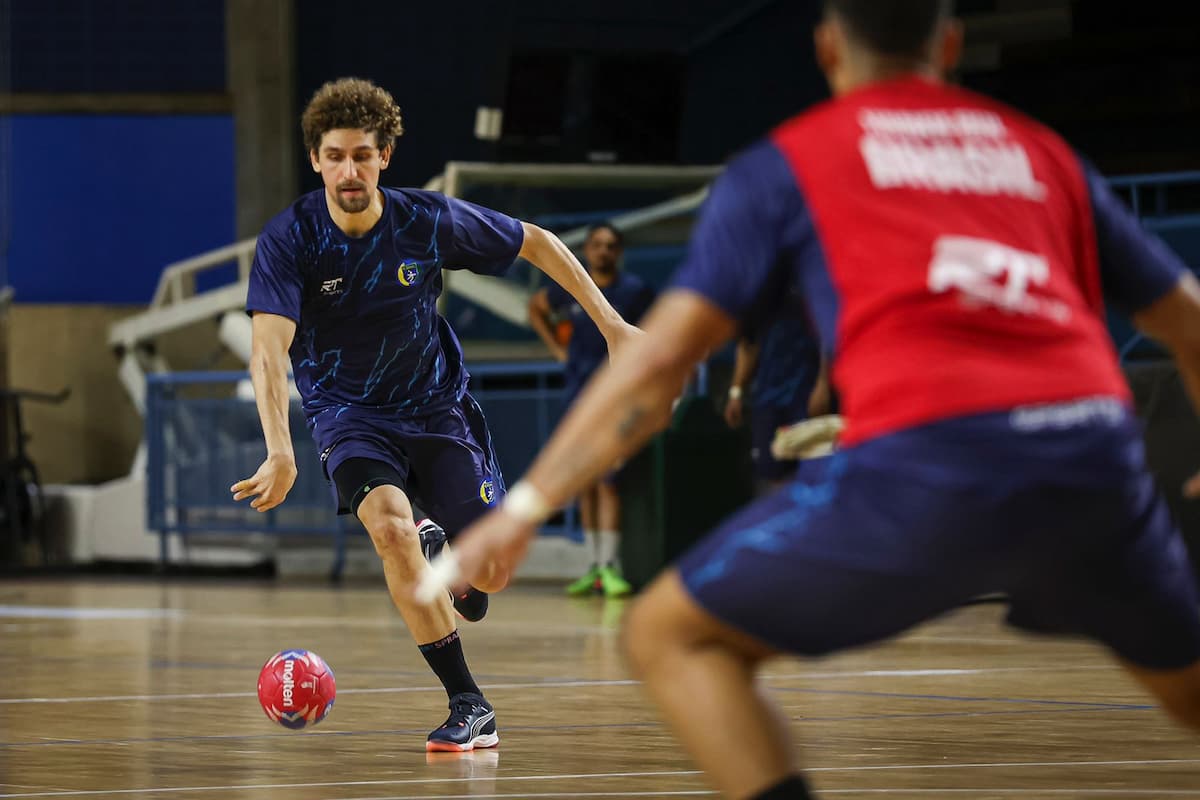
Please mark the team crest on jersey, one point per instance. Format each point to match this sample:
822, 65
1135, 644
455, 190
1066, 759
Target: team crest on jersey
487, 492
409, 273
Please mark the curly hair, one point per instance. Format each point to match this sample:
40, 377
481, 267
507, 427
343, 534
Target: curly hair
351, 103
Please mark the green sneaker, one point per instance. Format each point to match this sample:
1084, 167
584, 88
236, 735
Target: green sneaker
613, 584
587, 584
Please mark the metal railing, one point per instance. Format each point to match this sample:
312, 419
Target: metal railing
202, 436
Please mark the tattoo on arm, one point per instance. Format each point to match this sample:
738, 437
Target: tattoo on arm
629, 426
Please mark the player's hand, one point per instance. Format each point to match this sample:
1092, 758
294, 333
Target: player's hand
1191, 489
493, 545
734, 412
620, 337
269, 485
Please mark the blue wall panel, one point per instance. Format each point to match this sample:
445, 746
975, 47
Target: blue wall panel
100, 204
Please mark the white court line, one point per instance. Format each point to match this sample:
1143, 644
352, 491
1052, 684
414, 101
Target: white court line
872, 673
626, 793
332, 784
72, 612
589, 776
1086, 792
1006, 764
219, 695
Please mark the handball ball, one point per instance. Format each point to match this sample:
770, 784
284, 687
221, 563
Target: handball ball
296, 688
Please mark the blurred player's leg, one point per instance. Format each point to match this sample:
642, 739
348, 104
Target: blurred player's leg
682, 653
1178, 690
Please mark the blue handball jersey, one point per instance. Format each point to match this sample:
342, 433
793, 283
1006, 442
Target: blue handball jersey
588, 349
789, 357
368, 332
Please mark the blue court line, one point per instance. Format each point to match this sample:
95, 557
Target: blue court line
937, 714
963, 699
526, 728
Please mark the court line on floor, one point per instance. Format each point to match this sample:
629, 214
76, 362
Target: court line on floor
574, 683
124, 742
962, 698
983, 790
595, 776
78, 613
150, 698
473, 795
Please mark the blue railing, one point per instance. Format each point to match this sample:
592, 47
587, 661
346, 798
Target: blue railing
201, 437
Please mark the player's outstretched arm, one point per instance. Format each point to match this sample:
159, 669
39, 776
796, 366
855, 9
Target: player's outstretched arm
547, 252
271, 337
622, 406
1174, 320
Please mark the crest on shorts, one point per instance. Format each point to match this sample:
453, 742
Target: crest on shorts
487, 491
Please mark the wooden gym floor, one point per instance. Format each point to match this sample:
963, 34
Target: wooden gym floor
140, 689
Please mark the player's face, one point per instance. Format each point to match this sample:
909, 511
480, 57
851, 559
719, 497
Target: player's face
350, 162
602, 251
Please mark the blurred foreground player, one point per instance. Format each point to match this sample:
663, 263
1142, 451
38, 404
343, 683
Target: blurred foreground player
990, 445
347, 279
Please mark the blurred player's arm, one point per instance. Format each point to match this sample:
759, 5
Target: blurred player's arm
745, 363
547, 252
1174, 320
1144, 277
539, 320
272, 335
630, 399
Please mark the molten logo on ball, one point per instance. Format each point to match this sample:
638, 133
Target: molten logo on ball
296, 688
289, 683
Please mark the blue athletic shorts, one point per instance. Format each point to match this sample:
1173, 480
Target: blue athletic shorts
1053, 507
444, 461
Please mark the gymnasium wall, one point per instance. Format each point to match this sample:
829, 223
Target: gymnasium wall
118, 159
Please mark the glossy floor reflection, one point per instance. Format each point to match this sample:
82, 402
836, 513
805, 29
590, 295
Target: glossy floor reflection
145, 689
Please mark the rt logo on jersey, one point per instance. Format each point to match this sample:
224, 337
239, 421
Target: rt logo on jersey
409, 273
988, 273
331, 286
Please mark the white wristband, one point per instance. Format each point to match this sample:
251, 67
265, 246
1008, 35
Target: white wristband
526, 503
735, 392
442, 574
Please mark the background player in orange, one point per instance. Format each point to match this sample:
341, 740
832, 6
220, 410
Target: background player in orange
600, 503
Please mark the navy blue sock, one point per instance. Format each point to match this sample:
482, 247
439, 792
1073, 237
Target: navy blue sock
445, 658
